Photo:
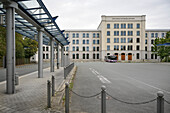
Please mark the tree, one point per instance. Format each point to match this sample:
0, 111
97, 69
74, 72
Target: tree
162, 51
30, 47
20, 52
2, 42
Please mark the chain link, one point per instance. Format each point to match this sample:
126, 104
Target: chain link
167, 101
137, 103
85, 96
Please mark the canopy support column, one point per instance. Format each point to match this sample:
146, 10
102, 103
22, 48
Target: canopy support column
62, 56
58, 50
52, 55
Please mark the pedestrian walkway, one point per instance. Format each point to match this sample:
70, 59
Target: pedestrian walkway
31, 93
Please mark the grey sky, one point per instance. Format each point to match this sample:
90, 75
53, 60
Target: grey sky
86, 14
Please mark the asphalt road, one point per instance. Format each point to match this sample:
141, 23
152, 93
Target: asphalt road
130, 82
23, 69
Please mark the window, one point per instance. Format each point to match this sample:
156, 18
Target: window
130, 26
146, 41
138, 26
130, 33
146, 35
163, 34
46, 48
43, 56
155, 56
83, 35
156, 35
108, 26
152, 41
108, 53
43, 48
94, 41
77, 48
83, 41
67, 35
130, 40
146, 56
73, 35
108, 33
123, 26
130, 47
77, 41
137, 40
123, 47
97, 48
97, 55
73, 41
93, 48
152, 48
94, 56
137, 56
77, 56
152, 35
94, 35
73, 48
97, 35
87, 35
84, 55
87, 48
116, 40
137, 47
83, 48
67, 48
46, 56
87, 56
116, 47
137, 33
73, 56
108, 40
87, 41
98, 42
151, 56
145, 48
108, 47
77, 35
123, 33
116, 33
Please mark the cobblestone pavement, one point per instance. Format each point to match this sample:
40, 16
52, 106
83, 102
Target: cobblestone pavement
31, 93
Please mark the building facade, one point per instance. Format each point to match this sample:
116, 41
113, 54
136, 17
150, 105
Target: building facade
123, 36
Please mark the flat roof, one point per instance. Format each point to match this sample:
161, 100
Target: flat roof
157, 30
82, 30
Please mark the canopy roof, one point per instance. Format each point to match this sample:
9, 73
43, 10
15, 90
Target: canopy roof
165, 44
32, 15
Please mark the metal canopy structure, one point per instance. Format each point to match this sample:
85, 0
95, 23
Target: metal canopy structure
32, 15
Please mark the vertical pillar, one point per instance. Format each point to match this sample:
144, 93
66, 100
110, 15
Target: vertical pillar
10, 44
52, 56
58, 49
40, 53
62, 56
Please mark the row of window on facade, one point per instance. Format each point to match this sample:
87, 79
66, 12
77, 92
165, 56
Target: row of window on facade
85, 48
155, 35
123, 33
85, 56
123, 47
85, 42
84, 35
123, 40
123, 26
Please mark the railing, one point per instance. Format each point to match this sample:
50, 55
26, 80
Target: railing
68, 69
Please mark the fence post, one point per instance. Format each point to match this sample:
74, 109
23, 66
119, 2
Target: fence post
160, 102
67, 97
48, 94
53, 85
103, 99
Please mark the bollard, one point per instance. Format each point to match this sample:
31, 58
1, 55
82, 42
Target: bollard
53, 85
16, 79
48, 94
67, 97
57, 65
160, 102
103, 99
65, 73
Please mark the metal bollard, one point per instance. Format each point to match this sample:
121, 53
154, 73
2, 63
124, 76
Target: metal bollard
53, 85
16, 79
48, 94
103, 99
67, 97
160, 102
57, 65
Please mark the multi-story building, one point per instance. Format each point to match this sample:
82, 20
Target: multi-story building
123, 36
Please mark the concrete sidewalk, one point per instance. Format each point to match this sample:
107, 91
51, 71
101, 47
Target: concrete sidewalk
31, 93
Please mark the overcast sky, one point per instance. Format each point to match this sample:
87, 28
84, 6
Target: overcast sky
86, 14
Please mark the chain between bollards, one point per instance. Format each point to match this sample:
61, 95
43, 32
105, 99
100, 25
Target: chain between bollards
67, 97
103, 99
160, 102
48, 94
53, 85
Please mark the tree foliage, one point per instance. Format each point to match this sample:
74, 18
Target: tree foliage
162, 51
2, 42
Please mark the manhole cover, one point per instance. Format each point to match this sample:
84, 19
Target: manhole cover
107, 97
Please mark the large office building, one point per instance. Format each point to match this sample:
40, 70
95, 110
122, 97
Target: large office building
123, 36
